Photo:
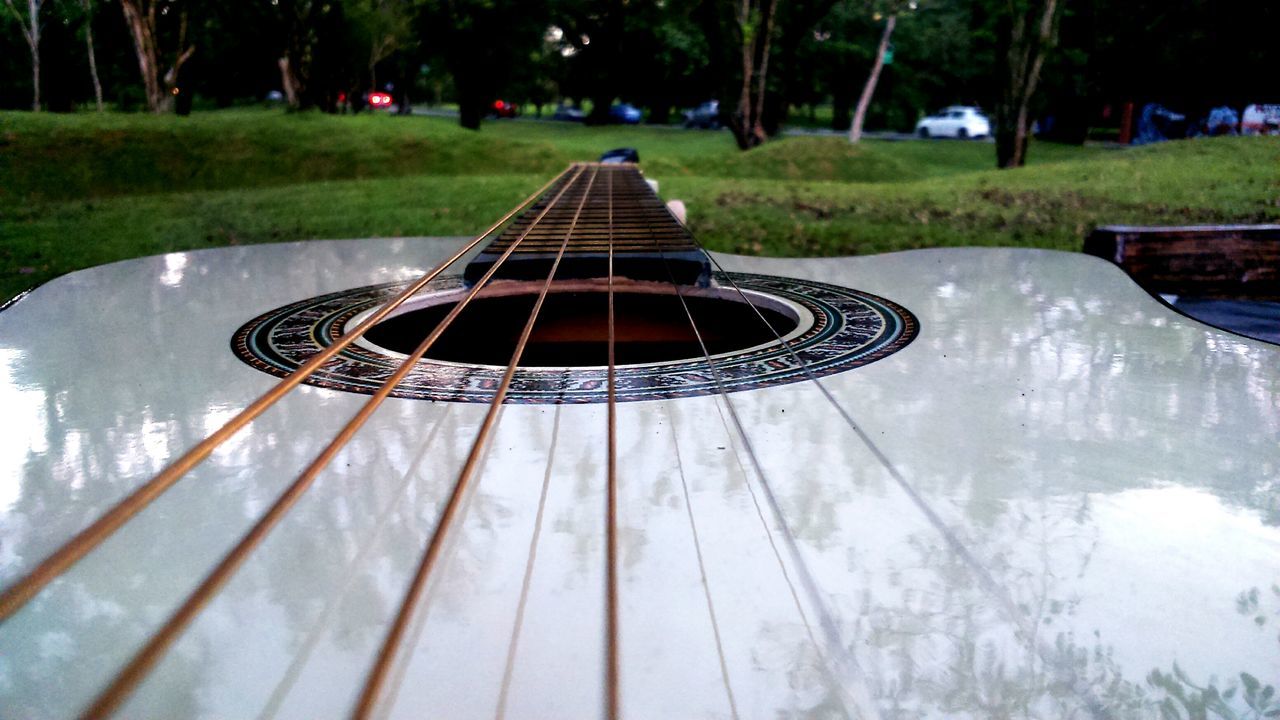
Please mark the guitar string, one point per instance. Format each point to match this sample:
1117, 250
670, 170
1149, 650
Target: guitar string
998, 593
350, 575
377, 674
612, 527
290, 677
702, 567
17, 595
697, 545
509, 669
419, 619
419, 622
127, 679
825, 618
527, 583
612, 672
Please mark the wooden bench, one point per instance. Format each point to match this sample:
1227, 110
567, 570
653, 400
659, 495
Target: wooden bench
1209, 261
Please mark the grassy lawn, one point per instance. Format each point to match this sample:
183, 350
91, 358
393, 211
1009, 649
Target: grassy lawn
80, 190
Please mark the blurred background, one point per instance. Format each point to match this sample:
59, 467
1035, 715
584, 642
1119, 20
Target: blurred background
790, 127
663, 59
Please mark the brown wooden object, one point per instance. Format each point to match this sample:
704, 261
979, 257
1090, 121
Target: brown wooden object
1213, 261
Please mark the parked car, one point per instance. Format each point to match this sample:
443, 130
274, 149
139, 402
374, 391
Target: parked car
1221, 121
625, 113
957, 121
1158, 123
568, 113
1260, 120
706, 115
378, 100
503, 109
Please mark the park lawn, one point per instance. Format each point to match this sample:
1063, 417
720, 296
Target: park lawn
81, 190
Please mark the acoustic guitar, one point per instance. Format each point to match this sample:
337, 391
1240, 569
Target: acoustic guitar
577, 467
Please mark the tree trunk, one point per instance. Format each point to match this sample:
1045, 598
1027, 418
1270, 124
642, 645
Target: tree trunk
1030, 36
860, 114
288, 83
31, 33
746, 121
171, 85
33, 6
600, 104
35, 75
302, 21
142, 29
93, 57
380, 49
470, 114
472, 103
140, 16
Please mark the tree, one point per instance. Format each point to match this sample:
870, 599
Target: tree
300, 19
676, 73
598, 35
140, 16
869, 89
754, 25
1027, 31
794, 77
386, 26
480, 42
320, 58
93, 56
31, 33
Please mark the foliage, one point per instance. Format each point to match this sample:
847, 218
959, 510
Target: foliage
663, 55
480, 43
79, 190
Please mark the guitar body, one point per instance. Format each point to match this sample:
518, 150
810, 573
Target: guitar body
1048, 488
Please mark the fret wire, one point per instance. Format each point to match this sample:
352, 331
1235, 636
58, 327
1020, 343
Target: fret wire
123, 684
612, 672
377, 674
21, 592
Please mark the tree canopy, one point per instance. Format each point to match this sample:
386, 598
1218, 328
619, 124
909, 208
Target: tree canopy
768, 62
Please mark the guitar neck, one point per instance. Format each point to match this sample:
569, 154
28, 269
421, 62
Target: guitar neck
592, 212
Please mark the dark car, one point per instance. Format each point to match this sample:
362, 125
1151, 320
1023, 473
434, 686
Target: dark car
379, 100
706, 115
625, 113
568, 113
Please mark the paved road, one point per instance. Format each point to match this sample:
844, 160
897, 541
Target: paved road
816, 132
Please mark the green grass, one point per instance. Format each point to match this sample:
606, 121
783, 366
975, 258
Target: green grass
1051, 205
80, 190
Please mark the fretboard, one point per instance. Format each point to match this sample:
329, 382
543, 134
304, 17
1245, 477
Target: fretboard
601, 207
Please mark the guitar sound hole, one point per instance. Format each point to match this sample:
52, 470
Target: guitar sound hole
572, 329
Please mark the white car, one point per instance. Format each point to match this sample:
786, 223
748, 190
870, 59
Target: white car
1260, 120
956, 121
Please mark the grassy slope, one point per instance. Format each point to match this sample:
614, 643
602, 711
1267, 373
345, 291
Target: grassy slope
1050, 205
81, 190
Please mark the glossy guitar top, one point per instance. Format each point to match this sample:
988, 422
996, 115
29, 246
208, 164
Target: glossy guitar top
1058, 500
